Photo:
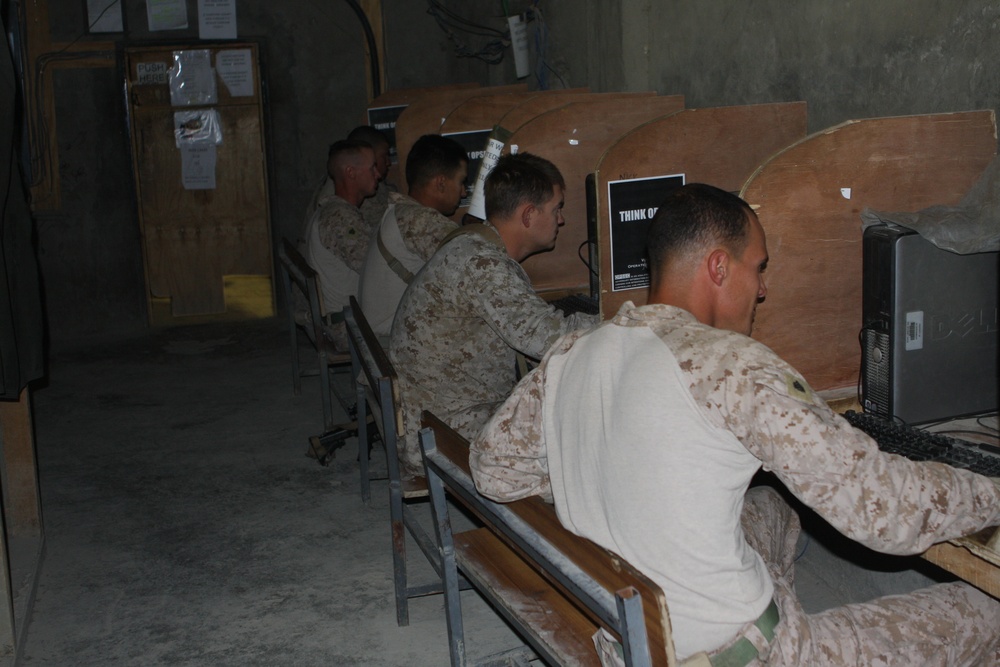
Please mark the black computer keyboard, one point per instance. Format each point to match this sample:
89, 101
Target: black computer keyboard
920, 445
576, 303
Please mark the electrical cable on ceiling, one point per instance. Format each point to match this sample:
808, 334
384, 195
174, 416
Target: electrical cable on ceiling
372, 47
542, 67
491, 53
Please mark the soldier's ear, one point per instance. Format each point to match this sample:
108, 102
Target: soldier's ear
718, 265
527, 213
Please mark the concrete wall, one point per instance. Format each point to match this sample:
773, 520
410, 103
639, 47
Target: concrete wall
847, 60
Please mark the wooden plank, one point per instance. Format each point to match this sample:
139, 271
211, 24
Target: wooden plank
403, 96
970, 558
479, 115
522, 113
485, 111
612, 572
21, 535
809, 198
574, 137
42, 57
425, 114
193, 239
22, 505
383, 111
721, 146
511, 583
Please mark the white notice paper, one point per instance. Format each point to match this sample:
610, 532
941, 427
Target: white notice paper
192, 79
166, 14
217, 19
198, 166
519, 44
234, 68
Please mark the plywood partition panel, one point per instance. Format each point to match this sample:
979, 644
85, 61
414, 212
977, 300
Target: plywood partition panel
720, 146
472, 121
426, 114
385, 109
405, 96
574, 137
485, 111
809, 199
522, 113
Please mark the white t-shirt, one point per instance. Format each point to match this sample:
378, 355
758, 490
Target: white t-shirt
671, 504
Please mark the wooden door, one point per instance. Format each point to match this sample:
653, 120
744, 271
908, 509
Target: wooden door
203, 198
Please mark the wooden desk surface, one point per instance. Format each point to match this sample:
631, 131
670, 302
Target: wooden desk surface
971, 559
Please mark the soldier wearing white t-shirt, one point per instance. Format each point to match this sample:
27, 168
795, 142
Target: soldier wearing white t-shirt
645, 433
413, 227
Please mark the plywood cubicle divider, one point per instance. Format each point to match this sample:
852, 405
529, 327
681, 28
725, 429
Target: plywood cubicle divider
574, 137
524, 112
426, 114
472, 122
720, 146
485, 111
809, 198
384, 111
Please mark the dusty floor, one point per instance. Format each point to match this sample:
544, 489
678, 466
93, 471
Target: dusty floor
185, 526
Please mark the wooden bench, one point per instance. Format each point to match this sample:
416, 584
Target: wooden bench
296, 271
555, 588
375, 384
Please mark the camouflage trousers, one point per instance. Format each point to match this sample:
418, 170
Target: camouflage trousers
946, 624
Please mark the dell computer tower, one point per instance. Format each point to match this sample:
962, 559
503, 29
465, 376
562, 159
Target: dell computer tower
929, 328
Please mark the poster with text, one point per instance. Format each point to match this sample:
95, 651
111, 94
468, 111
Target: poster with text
166, 15
632, 203
474, 143
235, 68
384, 119
217, 19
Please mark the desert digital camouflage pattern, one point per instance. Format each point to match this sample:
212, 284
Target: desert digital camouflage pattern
457, 330
883, 501
421, 227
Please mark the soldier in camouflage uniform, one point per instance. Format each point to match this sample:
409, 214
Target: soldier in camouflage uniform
471, 308
646, 432
373, 207
337, 234
412, 227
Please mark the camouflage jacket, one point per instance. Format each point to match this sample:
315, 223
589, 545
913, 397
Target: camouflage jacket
883, 501
457, 330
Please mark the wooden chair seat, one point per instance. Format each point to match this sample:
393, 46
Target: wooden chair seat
554, 587
414, 486
551, 618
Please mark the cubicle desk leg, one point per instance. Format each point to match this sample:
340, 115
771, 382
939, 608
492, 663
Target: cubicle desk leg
21, 535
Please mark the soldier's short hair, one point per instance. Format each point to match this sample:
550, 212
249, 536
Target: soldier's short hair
518, 179
694, 217
432, 155
369, 135
343, 153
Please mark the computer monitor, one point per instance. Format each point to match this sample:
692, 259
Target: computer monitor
929, 328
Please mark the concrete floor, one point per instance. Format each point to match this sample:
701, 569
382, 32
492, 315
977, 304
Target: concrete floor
185, 526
